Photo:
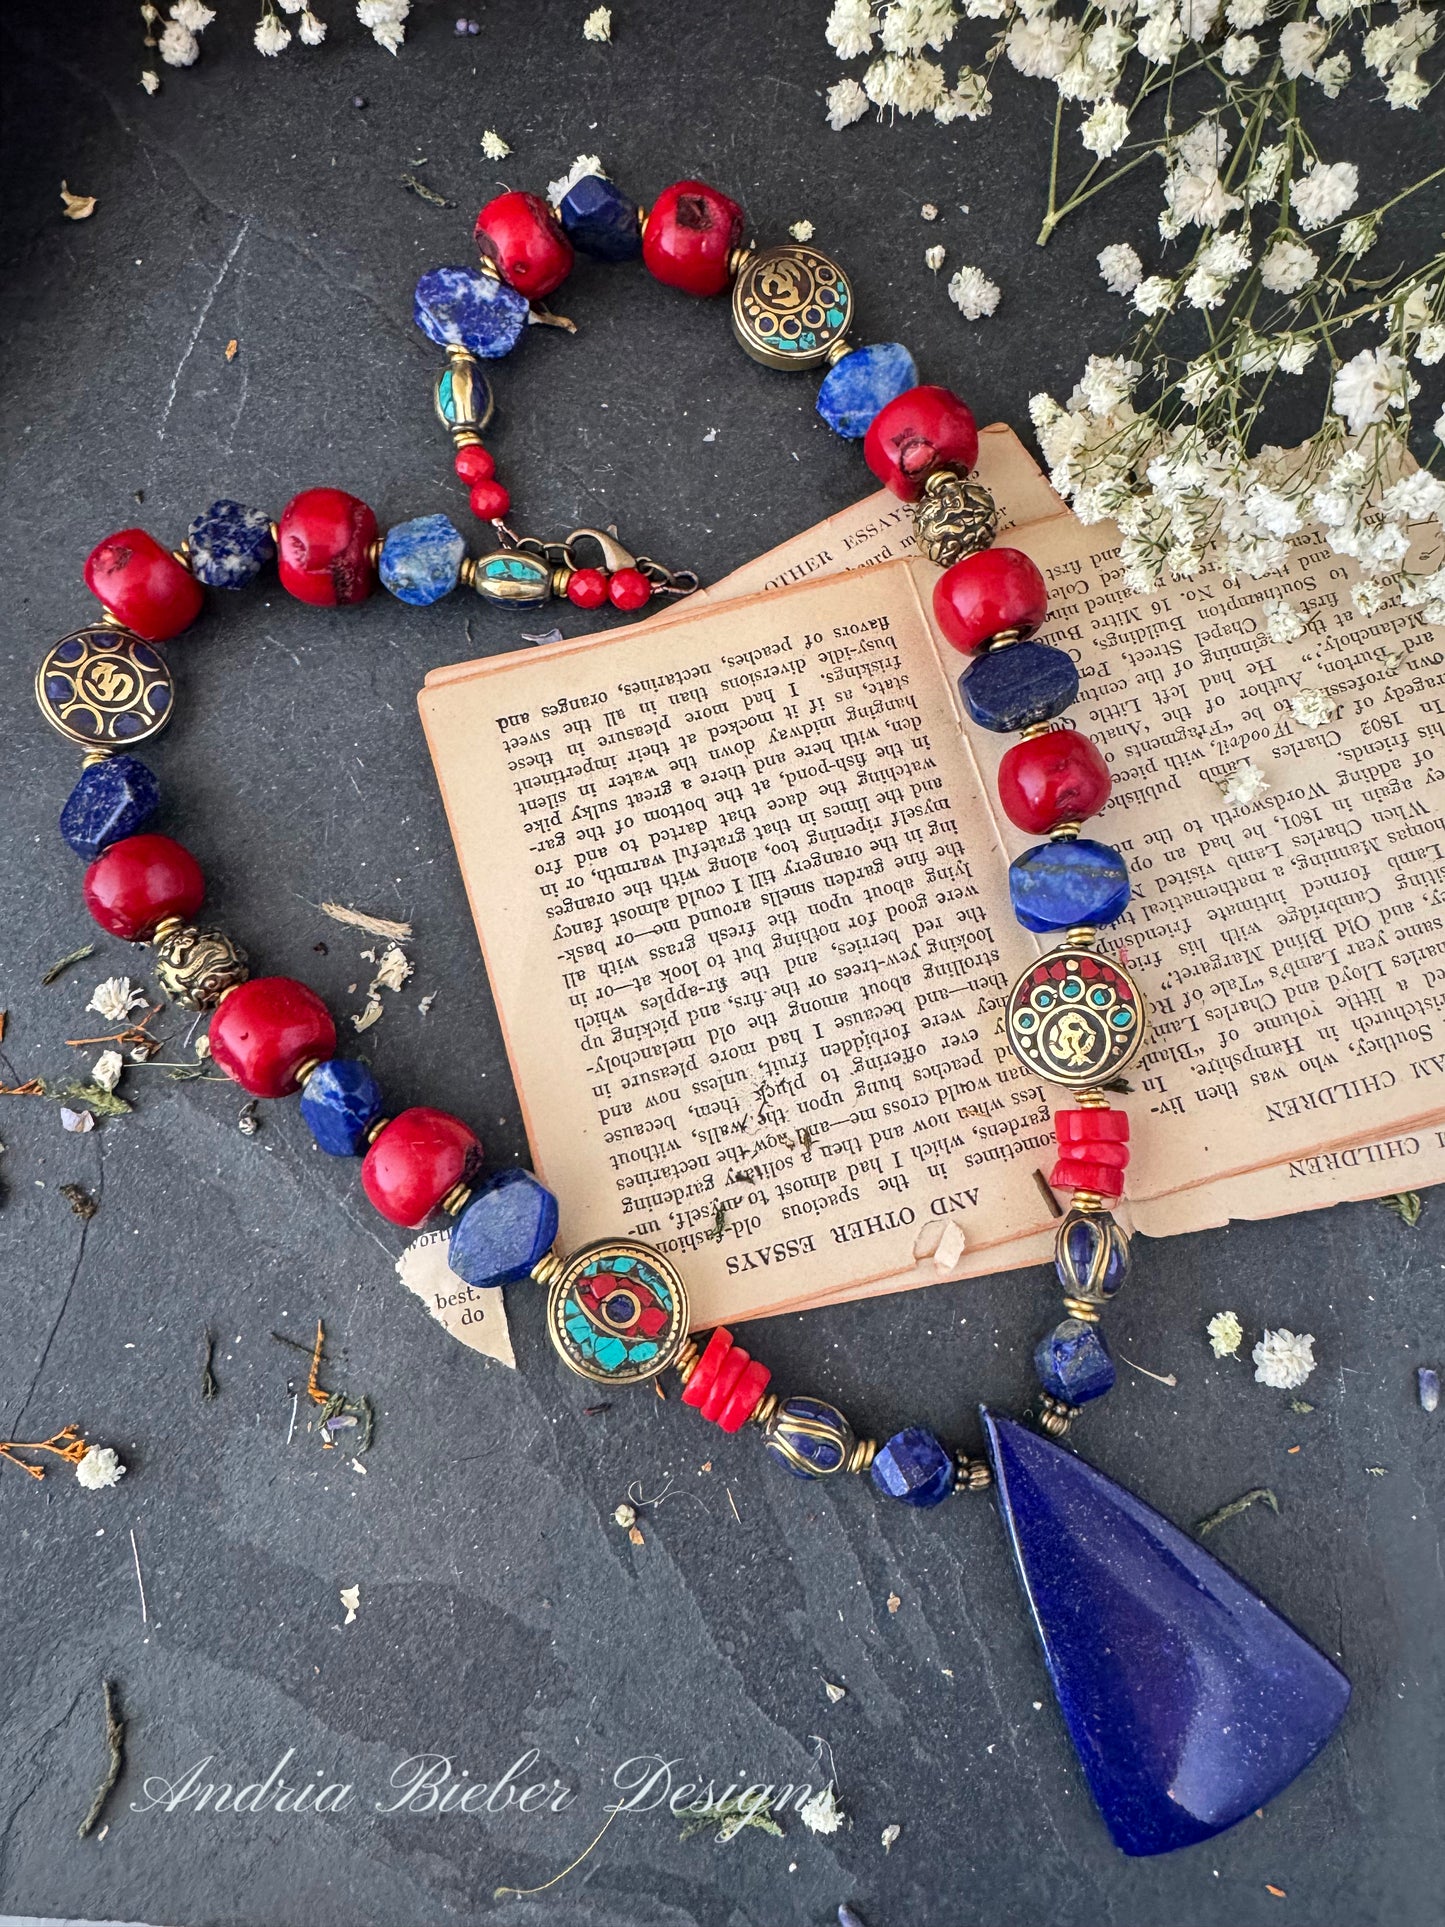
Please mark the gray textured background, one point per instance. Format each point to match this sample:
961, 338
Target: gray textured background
501, 1608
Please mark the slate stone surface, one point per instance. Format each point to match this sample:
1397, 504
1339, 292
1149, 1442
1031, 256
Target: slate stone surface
501, 1609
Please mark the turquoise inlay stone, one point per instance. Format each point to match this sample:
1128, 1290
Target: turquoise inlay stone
229, 545
856, 388
421, 560
463, 308
1073, 1363
340, 1101
504, 1231
1054, 886
111, 800
1018, 685
466, 403
507, 575
598, 219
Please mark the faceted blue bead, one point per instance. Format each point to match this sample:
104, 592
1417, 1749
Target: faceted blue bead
598, 219
1073, 1363
421, 560
1013, 687
504, 1231
914, 1467
1056, 885
111, 800
229, 545
809, 1437
1091, 1254
462, 308
854, 389
341, 1100
1189, 1700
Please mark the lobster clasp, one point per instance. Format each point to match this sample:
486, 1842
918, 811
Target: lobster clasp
614, 555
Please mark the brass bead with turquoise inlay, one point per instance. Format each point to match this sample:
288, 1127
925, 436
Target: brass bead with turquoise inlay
463, 397
514, 576
791, 307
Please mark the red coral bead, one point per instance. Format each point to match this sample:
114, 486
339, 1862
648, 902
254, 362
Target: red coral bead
629, 589
738, 1408
267, 1030
1094, 1128
143, 585
523, 239
138, 882
490, 501
414, 1162
474, 464
919, 432
1080, 1174
324, 548
705, 1371
689, 237
986, 593
588, 589
1056, 778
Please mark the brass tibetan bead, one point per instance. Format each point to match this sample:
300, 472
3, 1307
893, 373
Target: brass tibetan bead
1055, 1417
195, 968
954, 518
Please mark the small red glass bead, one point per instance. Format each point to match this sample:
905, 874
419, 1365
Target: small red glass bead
490, 501
689, 237
629, 589
986, 593
143, 585
523, 239
1059, 777
588, 589
267, 1030
415, 1160
474, 464
919, 432
324, 548
745, 1395
138, 882
705, 1371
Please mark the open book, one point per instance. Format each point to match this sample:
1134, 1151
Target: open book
740, 879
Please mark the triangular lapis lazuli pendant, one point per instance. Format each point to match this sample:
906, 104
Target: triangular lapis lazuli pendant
1189, 1700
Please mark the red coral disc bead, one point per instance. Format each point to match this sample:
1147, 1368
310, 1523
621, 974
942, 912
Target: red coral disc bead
700, 1382
267, 1030
523, 239
689, 237
143, 585
738, 1406
490, 501
415, 1160
986, 593
629, 589
919, 432
588, 589
474, 464
138, 882
324, 548
1056, 778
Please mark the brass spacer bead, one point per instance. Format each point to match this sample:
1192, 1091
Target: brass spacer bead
862, 1456
839, 349
1091, 1100
1088, 1201
1065, 832
110, 619
686, 1363
467, 574
1055, 1417
1082, 1308
183, 554
165, 927
763, 1411
373, 553
1082, 936
971, 1475
93, 756
738, 259
305, 1072
1038, 729
376, 1126
458, 1196
225, 994
466, 438
560, 579
275, 528
1002, 639
548, 1267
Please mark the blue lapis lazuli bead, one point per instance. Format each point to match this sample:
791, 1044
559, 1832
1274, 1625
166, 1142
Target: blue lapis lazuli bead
914, 1468
229, 545
1091, 1254
111, 800
340, 1102
421, 560
1017, 686
1056, 885
509, 1225
463, 308
1072, 1362
855, 388
1190, 1701
598, 219
809, 1438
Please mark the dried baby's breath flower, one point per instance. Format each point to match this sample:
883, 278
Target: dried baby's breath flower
928, 212
625, 1517
847, 103
1247, 784
271, 37
1224, 1333
849, 31
1284, 1359
933, 257
393, 970
889, 1835
385, 21
77, 207
972, 293
1121, 268
115, 999
350, 1598
493, 146
150, 81
598, 24
801, 230
822, 1814
582, 169
312, 30
101, 1467
106, 1069
1282, 621
1312, 708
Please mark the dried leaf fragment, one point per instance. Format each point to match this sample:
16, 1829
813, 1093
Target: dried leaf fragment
635, 1535
393, 970
835, 1693
64, 963
358, 919
233, 348
351, 1599
894, 1602
80, 1201
78, 207
363, 1020
1406, 1206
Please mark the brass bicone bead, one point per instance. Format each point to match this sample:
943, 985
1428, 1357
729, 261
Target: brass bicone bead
196, 968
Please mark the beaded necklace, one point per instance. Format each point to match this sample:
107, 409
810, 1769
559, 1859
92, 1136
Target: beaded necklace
1189, 1700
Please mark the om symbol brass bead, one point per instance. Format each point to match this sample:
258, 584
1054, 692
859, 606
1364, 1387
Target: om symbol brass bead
195, 968
954, 518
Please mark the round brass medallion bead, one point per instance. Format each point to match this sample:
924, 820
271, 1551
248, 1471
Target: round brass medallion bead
953, 518
195, 968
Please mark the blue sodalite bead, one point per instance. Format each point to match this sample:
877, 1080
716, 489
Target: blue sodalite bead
809, 1437
1057, 885
463, 308
1016, 686
421, 560
598, 219
111, 800
1072, 1362
508, 1226
1189, 1700
340, 1101
914, 1467
1091, 1255
230, 545
855, 388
